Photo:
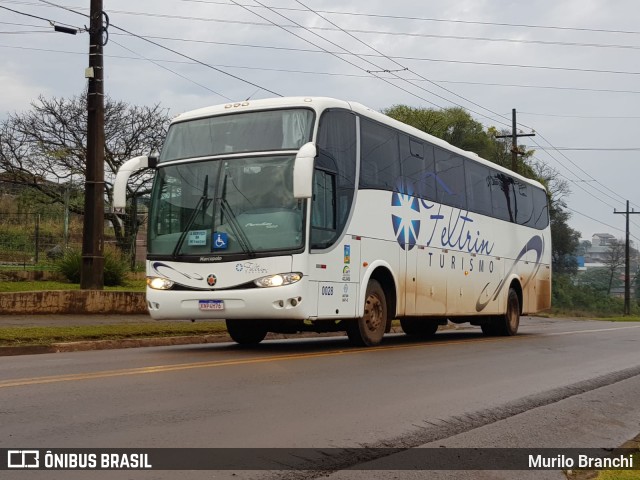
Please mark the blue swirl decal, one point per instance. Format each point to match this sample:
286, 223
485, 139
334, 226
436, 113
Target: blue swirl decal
535, 244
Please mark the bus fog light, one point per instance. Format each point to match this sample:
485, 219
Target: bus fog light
278, 280
159, 283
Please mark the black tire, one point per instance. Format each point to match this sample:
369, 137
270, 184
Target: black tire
419, 327
505, 325
369, 330
244, 332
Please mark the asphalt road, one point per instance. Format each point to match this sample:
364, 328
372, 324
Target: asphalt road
559, 383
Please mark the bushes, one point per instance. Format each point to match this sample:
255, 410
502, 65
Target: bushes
570, 298
115, 266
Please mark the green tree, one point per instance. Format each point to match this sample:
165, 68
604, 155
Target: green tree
453, 125
564, 241
583, 247
45, 149
596, 278
614, 260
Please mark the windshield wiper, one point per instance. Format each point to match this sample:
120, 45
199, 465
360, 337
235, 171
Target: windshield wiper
243, 240
241, 236
203, 202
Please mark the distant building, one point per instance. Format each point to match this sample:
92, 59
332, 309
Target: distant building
596, 254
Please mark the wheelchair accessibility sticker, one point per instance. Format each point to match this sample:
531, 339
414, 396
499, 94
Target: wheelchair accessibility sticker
220, 241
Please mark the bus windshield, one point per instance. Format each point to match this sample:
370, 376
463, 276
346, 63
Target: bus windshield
226, 206
267, 130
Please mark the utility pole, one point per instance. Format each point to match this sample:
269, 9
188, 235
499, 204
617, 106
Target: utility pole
514, 141
92, 272
627, 276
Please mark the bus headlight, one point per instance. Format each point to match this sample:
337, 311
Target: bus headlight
159, 283
278, 280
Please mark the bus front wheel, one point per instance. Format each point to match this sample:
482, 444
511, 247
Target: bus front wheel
368, 330
244, 332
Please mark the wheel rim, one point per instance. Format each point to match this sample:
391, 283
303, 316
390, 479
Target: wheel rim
373, 313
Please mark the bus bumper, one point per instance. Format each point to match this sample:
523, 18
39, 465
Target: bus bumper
287, 302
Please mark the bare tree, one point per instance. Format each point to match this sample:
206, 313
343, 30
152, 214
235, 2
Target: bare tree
614, 259
45, 149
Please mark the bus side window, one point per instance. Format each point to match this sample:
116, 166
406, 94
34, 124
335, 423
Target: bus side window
418, 165
502, 197
379, 156
540, 217
337, 142
478, 188
450, 182
323, 209
524, 203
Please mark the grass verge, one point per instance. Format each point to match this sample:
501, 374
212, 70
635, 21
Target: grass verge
630, 318
612, 474
23, 336
43, 285
579, 314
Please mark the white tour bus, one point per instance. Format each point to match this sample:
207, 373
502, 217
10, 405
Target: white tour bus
315, 214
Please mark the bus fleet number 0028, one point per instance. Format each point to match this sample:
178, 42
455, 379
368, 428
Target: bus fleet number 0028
327, 290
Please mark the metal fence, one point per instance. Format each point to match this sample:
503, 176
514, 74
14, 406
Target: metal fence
37, 239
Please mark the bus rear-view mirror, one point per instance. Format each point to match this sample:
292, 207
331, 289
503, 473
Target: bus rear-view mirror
303, 171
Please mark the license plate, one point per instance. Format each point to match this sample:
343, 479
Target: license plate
211, 304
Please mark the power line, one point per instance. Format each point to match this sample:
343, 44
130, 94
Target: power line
427, 19
414, 18
593, 149
395, 57
575, 165
337, 56
594, 117
376, 32
358, 56
403, 67
53, 23
172, 50
21, 32
26, 14
171, 71
599, 221
420, 59
23, 25
337, 74
259, 87
580, 180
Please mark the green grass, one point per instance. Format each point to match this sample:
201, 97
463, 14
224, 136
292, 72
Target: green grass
610, 317
22, 336
28, 266
38, 286
630, 318
621, 474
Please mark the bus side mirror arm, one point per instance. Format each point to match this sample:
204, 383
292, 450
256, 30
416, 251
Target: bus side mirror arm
122, 178
303, 171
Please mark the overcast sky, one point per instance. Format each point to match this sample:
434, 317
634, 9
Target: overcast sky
569, 67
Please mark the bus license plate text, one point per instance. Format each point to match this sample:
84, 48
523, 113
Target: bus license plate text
211, 305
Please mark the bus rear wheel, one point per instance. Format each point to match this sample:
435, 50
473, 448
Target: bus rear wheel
419, 327
244, 332
505, 325
369, 330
